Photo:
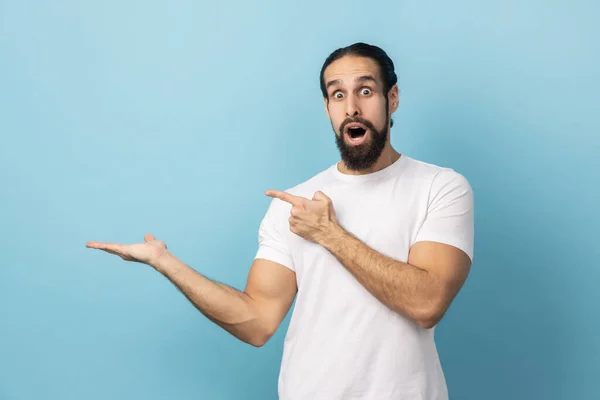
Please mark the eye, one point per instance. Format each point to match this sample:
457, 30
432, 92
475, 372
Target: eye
338, 95
365, 91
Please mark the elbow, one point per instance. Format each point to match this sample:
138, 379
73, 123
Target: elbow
256, 340
428, 323
431, 316
257, 343
431, 312
260, 338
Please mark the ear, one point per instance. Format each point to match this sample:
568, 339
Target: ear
325, 100
393, 99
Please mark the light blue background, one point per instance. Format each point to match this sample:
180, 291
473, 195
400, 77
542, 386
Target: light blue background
119, 118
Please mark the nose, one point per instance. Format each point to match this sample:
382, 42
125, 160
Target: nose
352, 109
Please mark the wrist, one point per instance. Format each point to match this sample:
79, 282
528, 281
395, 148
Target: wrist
163, 262
335, 234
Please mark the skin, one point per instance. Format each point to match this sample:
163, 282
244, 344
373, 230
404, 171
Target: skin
351, 95
421, 289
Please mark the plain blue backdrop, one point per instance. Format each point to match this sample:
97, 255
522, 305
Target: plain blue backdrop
120, 118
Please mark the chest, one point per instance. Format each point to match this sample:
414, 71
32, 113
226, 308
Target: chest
385, 218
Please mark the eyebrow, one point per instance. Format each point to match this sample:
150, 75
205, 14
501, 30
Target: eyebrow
360, 79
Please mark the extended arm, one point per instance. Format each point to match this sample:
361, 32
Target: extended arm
253, 315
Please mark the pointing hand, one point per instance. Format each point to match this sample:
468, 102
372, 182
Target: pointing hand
314, 219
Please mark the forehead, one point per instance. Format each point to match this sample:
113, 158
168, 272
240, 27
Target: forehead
347, 68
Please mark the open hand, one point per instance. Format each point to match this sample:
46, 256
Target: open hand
147, 252
312, 220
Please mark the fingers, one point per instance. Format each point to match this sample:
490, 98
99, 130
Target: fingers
110, 247
114, 246
95, 245
320, 196
295, 200
288, 198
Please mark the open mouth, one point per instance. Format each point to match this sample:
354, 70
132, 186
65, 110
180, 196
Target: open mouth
356, 133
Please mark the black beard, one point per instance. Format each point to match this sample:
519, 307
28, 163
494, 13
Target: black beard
365, 155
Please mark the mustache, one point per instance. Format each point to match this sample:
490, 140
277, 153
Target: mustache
359, 120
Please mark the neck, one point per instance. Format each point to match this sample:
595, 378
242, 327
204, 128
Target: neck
388, 156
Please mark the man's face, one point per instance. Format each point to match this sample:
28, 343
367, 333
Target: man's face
357, 108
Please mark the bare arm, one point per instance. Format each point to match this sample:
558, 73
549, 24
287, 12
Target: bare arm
252, 316
421, 289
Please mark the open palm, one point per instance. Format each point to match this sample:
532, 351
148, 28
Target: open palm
146, 252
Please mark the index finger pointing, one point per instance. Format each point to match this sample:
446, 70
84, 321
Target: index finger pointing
288, 198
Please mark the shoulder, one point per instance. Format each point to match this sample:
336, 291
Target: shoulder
437, 177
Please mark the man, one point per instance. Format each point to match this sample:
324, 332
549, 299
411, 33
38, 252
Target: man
376, 247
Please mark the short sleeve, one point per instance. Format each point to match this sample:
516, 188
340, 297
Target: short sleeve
450, 213
272, 244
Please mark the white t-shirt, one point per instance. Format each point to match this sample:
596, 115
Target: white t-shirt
342, 342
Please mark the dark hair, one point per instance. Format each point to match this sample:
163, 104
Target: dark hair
386, 65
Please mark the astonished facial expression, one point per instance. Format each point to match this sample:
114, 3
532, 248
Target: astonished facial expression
356, 105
